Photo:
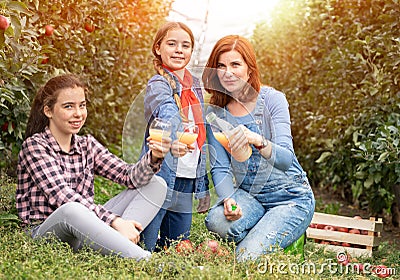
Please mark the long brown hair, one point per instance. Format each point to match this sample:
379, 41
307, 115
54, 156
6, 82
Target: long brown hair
157, 61
210, 79
47, 96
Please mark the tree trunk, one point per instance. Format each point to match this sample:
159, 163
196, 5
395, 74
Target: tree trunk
395, 208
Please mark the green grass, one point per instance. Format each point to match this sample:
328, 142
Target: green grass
23, 258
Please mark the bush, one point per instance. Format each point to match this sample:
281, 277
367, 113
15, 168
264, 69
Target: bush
340, 72
114, 59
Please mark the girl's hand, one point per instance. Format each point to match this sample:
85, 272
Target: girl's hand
159, 149
232, 211
178, 149
129, 229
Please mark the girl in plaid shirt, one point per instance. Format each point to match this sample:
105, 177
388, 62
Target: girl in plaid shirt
56, 169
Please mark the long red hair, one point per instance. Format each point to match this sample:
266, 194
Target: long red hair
210, 79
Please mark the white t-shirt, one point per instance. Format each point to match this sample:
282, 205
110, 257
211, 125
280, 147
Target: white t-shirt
187, 165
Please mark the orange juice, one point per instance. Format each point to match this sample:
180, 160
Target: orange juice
187, 138
158, 134
222, 140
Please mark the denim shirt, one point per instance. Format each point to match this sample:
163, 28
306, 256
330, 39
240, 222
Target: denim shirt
159, 102
270, 118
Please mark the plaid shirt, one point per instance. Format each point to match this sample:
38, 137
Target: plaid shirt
49, 177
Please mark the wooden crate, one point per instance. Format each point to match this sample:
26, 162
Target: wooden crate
360, 244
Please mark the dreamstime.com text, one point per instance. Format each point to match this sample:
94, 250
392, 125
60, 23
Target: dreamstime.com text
329, 266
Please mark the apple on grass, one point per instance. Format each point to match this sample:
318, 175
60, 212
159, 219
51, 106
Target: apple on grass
382, 271
184, 247
209, 245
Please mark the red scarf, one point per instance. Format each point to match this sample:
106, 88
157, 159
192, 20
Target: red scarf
188, 98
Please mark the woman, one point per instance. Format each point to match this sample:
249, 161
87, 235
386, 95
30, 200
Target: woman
272, 200
56, 169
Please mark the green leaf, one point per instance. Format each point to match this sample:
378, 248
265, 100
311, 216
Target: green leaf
383, 156
369, 182
323, 157
19, 7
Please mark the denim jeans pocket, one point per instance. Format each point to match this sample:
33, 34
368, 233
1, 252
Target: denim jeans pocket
297, 190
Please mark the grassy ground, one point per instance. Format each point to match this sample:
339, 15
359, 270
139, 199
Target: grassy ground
23, 258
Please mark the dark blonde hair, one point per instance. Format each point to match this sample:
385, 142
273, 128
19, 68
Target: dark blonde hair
47, 96
157, 61
210, 79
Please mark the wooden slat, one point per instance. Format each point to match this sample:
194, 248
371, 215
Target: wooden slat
354, 252
329, 235
348, 222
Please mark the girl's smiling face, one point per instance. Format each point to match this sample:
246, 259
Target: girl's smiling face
68, 114
175, 49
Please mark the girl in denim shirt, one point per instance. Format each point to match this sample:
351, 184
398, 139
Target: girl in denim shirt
173, 94
272, 200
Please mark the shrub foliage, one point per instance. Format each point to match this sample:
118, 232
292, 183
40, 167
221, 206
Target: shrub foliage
338, 63
114, 59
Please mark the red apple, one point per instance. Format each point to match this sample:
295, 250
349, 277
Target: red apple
320, 226
354, 231
5, 127
210, 245
4, 22
45, 60
358, 267
48, 30
357, 217
184, 247
381, 271
328, 227
223, 252
343, 258
345, 244
342, 229
364, 232
213, 245
89, 27
312, 226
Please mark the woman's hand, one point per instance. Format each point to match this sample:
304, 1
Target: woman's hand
252, 137
159, 149
129, 229
232, 214
178, 149
237, 138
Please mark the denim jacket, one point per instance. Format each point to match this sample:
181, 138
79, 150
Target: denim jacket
270, 118
159, 102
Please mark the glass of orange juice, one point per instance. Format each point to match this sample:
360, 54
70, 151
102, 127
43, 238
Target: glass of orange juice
187, 133
160, 129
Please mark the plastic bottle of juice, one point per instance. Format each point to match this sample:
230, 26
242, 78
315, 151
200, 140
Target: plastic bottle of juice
224, 134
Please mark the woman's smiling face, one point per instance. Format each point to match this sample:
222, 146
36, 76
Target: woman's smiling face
233, 72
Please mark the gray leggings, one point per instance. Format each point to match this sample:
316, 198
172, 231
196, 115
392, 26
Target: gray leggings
77, 225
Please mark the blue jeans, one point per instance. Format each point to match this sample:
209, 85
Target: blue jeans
277, 215
174, 219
